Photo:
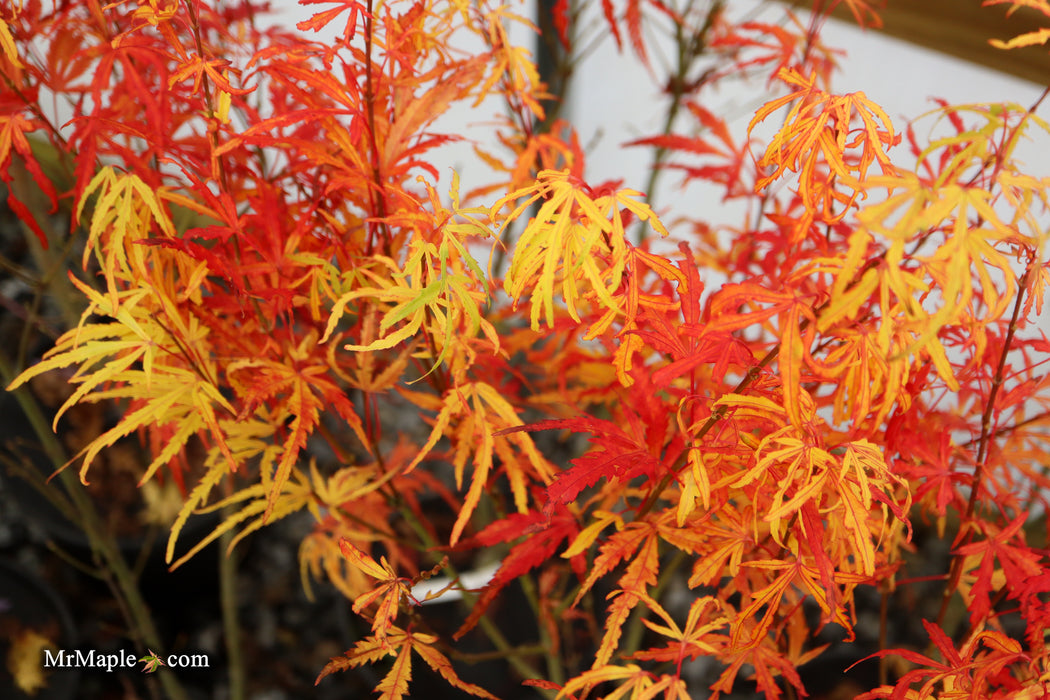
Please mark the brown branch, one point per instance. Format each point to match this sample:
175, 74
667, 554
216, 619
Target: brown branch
378, 204
955, 573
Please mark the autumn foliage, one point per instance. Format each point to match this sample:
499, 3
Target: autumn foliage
767, 411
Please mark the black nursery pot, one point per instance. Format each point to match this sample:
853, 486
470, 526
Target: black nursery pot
27, 604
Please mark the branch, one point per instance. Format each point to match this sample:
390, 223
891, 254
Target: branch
966, 530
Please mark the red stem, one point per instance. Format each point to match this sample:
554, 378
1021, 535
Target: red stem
965, 529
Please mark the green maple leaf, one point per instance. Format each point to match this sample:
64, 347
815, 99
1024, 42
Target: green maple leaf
152, 662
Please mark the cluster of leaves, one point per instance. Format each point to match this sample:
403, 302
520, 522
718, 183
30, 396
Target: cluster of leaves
766, 444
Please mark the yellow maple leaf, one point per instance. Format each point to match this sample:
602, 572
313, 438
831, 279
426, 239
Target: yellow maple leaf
123, 214
439, 290
471, 415
818, 133
575, 241
400, 644
25, 660
7, 44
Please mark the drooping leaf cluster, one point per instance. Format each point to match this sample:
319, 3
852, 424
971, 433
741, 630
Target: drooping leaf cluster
770, 406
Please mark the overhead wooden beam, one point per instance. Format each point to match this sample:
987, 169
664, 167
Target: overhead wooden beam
962, 28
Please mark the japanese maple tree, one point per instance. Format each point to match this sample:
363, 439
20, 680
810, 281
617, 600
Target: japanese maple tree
277, 269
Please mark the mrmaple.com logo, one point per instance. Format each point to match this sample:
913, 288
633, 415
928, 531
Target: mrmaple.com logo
78, 658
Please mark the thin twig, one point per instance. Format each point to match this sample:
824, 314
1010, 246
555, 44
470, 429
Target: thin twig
230, 622
965, 527
688, 49
513, 655
378, 202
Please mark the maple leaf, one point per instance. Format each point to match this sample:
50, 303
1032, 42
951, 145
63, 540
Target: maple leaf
10, 49
322, 19
24, 659
639, 307
391, 590
617, 455
440, 663
1036, 38
370, 373
1034, 609
1017, 562
773, 44
690, 641
152, 662
123, 215
321, 556
403, 142
640, 574
214, 69
968, 252
867, 383
633, 18
964, 672
768, 598
609, 12
301, 388
484, 417
729, 536
798, 475
167, 378
590, 533
863, 12
246, 440
794, 574
818, 131
543, 535
614, 550
631, 678
13, 130
730, 157
1040, 5
767, 661
561, 22
795, 340
439, 289
652, 321
864, 479
394, 685
677, 142
347, 484
509, 62
574, 237
400, 644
